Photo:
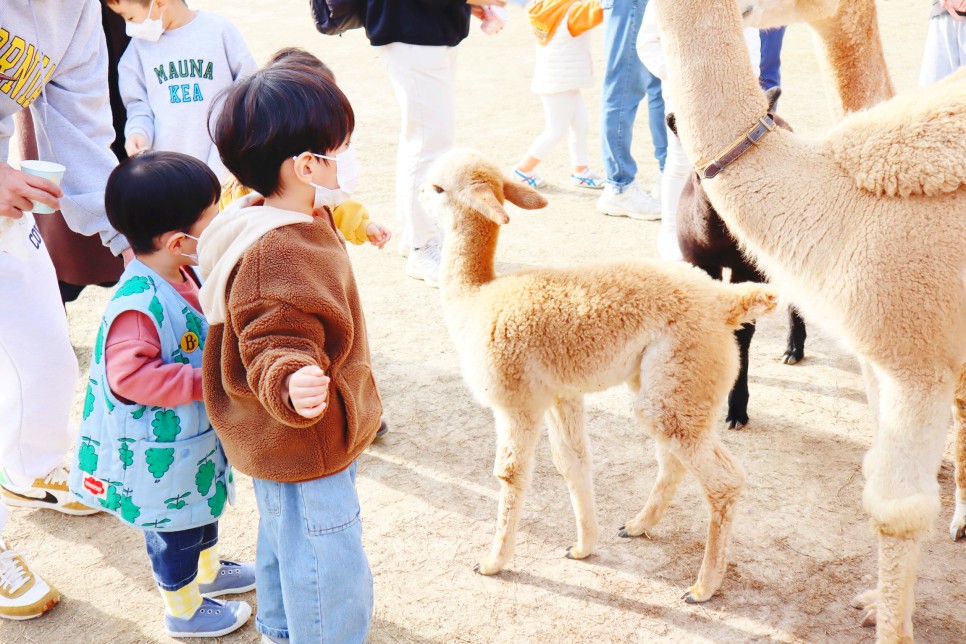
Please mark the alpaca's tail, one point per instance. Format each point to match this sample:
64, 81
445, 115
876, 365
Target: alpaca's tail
749, 300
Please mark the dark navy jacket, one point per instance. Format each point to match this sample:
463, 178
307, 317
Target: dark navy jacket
417, 22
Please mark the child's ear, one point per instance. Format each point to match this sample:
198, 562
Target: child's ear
171, 242
302, 166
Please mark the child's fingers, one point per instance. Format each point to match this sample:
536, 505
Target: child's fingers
311, 412
310, 401
307, 392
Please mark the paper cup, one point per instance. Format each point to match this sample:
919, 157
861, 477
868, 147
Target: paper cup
48, 170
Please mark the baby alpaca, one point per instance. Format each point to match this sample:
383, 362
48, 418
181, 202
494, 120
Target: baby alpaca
533, 342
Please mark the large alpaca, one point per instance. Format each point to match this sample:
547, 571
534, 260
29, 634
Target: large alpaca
877, 255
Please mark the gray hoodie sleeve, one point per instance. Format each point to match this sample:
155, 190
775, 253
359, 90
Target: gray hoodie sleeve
134, 94
75, 129
240, 57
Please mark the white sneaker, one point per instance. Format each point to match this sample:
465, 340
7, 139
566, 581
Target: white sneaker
50, 492
423, 264
23, 595
634, 202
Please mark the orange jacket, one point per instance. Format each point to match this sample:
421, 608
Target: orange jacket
546, 16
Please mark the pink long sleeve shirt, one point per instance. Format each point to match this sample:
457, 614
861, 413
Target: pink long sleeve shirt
136, 372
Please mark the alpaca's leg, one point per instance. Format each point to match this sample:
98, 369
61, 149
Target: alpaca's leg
722, 478
957, 528
571, 455
796, 338
516, 437
738, 398
901, 492
670, 471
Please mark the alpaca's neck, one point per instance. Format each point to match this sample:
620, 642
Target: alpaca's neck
468, 254
716, 94
851, 48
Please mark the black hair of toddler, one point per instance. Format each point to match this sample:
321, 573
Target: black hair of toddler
275, 114
158, 192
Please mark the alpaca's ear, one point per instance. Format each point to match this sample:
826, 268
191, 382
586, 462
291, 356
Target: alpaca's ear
672, 123
773, 94
523, 196
481, 199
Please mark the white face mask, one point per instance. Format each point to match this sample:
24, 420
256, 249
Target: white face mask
192, 256
347, 175
149, 30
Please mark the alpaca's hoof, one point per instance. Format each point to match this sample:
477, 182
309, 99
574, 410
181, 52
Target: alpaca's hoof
576, 552
696, 595
792, 357
737, 424
485, 570
957, 529
866, 601
869, 620
625, 533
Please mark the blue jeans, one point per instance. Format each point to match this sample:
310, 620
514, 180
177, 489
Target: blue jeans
626, 82
174, 555
771, 50
313, 579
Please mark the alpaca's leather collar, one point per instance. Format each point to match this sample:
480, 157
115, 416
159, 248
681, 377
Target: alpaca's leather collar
742, 144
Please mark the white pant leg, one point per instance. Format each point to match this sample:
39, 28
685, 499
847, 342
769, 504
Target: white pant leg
945, 49
558, 114
424, 80
579, 126
677, 169
38, 370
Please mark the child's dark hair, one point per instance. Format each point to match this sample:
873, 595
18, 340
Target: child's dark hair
288, 56
275, 114
158, 192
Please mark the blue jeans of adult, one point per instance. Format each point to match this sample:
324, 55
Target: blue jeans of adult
771, 49
626, 83
312, 580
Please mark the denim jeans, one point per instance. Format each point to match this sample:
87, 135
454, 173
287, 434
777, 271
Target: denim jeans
771, 50
626, 83
313, 579
174, 555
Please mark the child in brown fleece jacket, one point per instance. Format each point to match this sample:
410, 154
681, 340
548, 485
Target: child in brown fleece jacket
287, 377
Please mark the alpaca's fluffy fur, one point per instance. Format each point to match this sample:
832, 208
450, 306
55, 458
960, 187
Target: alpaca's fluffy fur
533, 342
884, 274
928, 127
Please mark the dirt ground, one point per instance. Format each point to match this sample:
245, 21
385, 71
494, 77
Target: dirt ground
802, 546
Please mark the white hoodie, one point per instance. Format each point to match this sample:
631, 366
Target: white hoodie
59, 58
226, 239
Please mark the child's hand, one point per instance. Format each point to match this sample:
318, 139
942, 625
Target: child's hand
308, 391
135, 144
378, 234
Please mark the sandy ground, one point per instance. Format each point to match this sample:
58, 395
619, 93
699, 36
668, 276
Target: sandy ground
802, 546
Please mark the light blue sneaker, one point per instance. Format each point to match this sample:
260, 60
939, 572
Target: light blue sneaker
212, 619
233, 578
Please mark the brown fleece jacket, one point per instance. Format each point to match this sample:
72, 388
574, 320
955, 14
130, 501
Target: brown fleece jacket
291, 302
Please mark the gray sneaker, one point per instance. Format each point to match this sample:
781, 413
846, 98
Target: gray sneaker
634, 202
233, 579
212, 619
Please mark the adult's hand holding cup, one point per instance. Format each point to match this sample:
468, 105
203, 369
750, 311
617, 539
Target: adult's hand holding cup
48, 171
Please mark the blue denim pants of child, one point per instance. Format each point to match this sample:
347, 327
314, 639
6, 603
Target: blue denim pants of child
312, 580
626, 83
174, 555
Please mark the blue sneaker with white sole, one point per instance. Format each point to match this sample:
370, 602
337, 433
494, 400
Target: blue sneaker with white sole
212, 619
233, 578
